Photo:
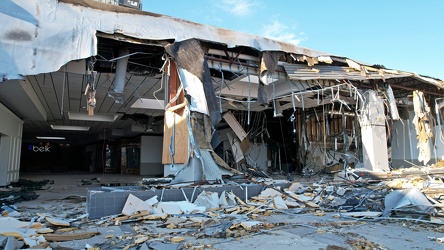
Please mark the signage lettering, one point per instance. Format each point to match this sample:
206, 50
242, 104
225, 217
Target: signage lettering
133, 3
40, 149
130, 3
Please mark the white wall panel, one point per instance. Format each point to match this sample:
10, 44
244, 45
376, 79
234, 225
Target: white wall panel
11, 129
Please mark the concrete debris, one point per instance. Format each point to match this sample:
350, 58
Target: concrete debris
200, 217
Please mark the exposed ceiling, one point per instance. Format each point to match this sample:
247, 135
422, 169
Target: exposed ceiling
53, 98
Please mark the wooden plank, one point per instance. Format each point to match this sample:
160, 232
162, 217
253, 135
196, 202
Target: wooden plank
70, 237
235, 126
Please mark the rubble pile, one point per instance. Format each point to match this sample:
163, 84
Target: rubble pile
192, 223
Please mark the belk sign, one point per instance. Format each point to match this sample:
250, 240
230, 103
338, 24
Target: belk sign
40, 149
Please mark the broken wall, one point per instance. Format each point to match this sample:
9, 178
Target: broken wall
404, 144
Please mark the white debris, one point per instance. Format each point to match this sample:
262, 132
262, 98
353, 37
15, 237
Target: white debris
134, 205
270, 192
279, 203
34, 240
207, 200
168, 208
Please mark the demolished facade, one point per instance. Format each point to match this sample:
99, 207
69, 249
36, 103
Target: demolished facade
287, 108
189, 104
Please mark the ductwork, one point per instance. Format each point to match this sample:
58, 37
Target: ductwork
120, 76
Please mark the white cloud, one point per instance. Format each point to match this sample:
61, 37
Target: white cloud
279, 31
238, 7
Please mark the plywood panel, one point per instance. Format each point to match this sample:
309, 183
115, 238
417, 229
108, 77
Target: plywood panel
175, 123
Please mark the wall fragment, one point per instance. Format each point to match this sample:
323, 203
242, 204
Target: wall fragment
422, 124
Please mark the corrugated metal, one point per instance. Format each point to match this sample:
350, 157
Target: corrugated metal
322, 72
211, 170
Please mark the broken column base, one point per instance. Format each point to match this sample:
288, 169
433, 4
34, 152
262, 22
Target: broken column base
184, 173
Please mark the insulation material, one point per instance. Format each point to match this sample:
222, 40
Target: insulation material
325, 59
190, 56
269, 62
311, 61
393, 108
422, 125
354, 65
194, 88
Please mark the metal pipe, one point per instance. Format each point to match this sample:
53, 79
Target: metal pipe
120, 76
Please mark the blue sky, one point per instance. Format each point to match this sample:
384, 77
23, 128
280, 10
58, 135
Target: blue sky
399, 34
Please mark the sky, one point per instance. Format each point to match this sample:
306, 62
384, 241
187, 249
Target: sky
406, 35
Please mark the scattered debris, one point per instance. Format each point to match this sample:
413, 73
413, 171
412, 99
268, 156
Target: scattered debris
215, 212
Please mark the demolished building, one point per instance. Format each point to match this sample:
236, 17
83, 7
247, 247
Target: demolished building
205, 114
130, 91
